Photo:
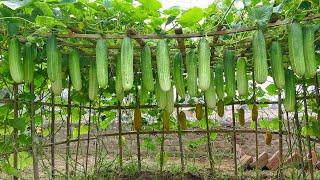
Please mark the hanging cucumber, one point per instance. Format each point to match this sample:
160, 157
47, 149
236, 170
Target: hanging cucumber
309, 51
28, 62
191, 63
277, 65
15, 63
146, 69
74, 70
178, 75
127, 63
118, 80
295, 44
204, 65
259, 57
52, 58
102, 62
229, 73
242, 79
163, 65
93, 84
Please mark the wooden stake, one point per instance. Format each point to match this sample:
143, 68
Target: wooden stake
209, 140
308, 136
15, 131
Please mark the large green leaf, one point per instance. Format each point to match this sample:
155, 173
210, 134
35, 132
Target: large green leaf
19, 123
151, 5
191, 17
49, 22
261, 15
44, 7
8, 169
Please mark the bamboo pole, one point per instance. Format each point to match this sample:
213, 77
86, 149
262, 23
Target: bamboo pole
219, 130
280, 135
68, 128
52, 136
34, 138
161, 151
315, 80
15, 131
78, 141
97, 151
180, 141
308, 136
234, 143
88, 142
138, 134
146, 106
298, 134
209, 140
289, 134
120, 136
170, 36
255, 126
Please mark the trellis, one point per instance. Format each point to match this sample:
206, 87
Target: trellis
179, 36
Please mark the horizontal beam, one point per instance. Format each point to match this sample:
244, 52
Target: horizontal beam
142, 106
170, 36
216, 130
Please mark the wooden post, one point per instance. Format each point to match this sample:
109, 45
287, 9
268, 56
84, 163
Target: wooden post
97, 151
255, 126
161, 151
34, 138
298, 134
88, 142
68, 128
308, 136
209, 140
289, 134
180, 140
234, 143
280, 135
52, 132
78, 141
120, 135
15, 131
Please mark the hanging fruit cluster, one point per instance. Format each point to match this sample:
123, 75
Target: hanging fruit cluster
219, 84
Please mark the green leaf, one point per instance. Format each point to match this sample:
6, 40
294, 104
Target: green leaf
148, 144
213, 136
191, 17
305, 5
151, 5
18, 123
15, 4
274, 124
83, 130
25, 160
44, 7
264, 123
173, 11
48, 21
261, 15
272, 89
8, 169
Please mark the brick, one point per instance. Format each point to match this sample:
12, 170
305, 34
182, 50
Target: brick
245, 161
294, 158
274, 161
314, 157
261, 162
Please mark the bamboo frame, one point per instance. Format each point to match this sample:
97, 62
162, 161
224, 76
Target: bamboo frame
179, 36
173, 36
